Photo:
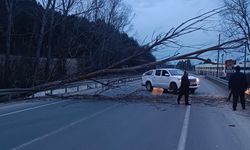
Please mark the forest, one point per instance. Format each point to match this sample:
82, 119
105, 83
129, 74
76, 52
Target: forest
39, 39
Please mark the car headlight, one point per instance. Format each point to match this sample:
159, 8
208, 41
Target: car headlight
197, 80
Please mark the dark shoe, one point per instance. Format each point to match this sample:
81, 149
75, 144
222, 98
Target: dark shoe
178, 102
243, 108
234, 109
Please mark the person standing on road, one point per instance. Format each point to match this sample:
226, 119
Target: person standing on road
184, 88
229, 96
238, 84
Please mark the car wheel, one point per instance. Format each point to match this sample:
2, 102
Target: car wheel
149, 86
173, 88
192, 91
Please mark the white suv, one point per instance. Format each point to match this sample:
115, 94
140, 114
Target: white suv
167, 78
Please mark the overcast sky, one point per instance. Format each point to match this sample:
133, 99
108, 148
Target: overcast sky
158, 16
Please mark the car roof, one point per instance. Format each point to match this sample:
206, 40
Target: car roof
167, 69
163, 69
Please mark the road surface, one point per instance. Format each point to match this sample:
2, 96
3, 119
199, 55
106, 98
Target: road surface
111, 125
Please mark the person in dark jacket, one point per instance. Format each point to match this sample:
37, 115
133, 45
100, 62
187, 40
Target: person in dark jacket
238, 85
229, 96
184, 88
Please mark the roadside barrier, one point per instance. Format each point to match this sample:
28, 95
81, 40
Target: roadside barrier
224, 83
8, 94
217, 80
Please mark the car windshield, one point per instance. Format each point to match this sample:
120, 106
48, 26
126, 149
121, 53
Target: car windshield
176, 72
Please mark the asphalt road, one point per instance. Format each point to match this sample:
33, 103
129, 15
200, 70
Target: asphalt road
208, 88
110, 125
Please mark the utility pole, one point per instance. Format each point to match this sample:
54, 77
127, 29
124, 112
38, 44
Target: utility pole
245, 57
222, 60
218, 59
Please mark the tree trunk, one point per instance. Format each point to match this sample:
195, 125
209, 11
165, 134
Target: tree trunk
9, 6
50, 43
42, 29
40, 41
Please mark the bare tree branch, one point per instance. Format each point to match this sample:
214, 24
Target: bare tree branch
193, 55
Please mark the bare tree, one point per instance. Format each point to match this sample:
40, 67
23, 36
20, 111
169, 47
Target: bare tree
163, 40
235, 19
97, 4
117, 13
40, 40
9, 7
67, 6
170, 37
89, 9
50, 43
192, 55
113, 12
47, 4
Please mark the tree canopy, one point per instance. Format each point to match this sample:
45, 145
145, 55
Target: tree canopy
33, 30
99, 42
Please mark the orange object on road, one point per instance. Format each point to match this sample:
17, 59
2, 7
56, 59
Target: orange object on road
157, 91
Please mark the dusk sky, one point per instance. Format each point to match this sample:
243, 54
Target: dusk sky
158, 16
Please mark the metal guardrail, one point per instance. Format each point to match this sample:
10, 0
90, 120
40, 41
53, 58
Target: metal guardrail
225, 84
218, 80
68, 88
15, 91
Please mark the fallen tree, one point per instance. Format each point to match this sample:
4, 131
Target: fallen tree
162, 40
191, 55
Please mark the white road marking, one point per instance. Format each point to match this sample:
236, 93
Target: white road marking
183, 137
65, 127
32, 108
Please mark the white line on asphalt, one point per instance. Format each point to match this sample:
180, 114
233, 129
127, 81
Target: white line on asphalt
65, 127
32, 108
183, 137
